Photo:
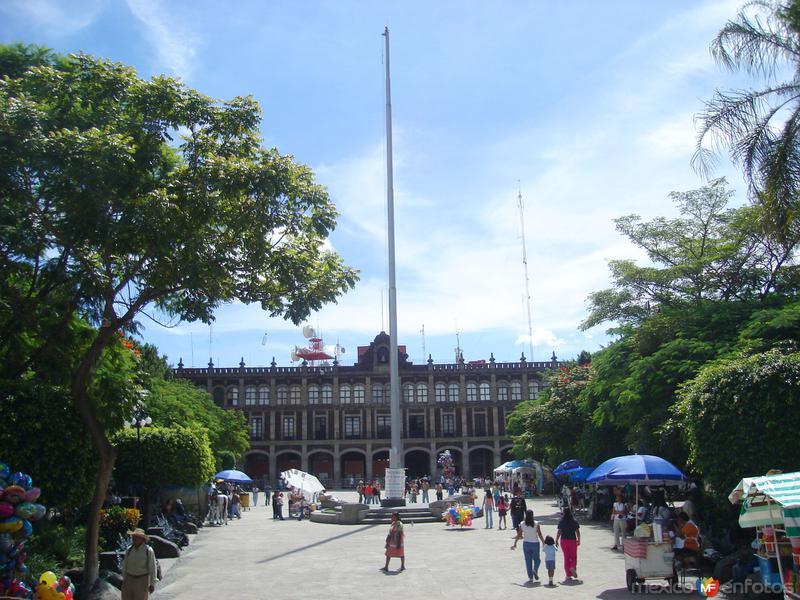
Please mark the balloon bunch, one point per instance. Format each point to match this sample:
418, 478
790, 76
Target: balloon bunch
445, 461
460, 515
18, 509
54, 588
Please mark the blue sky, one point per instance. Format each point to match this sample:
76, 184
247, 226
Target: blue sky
589, 105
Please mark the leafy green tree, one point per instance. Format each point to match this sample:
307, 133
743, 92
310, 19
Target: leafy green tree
164, 456
179, 403
549, 428
122, 195
708, 253
747, 407
760, 127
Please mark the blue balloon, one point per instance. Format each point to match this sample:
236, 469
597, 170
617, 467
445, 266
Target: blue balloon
22, 480
4, 471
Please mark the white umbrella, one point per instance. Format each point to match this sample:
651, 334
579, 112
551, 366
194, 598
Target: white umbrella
305, 482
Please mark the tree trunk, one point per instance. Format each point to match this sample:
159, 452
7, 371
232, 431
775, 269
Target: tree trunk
106, 453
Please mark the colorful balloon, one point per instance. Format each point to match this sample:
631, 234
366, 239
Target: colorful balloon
14, 494
41, 511
32, 495
26, 530
10, 525
25, 510
21, 479
4, 471
6, 509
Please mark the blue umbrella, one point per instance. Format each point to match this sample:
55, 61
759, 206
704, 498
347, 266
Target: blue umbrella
233, 475
581, 474
568, 466
638, 469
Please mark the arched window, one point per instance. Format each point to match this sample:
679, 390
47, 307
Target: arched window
516, 391
378, 395
313, 394
485, 392
233, 395
422, 392
533, 390
359, 393
263, 395
472, 392
453, 392
326, 393
345, 394
408, 392
283, 394
502, 392
250, 395
441, 392
294, 394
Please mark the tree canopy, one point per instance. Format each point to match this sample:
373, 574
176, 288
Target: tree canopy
123, 197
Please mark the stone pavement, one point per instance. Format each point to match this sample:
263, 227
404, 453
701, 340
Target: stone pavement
258, 558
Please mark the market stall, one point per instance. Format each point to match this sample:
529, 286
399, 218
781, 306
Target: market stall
529, 475
771, 504
649, 554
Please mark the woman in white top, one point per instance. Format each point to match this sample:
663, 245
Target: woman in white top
619, 513
531, 534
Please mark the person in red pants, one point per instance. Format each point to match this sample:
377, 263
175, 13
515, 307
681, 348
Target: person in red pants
569, 534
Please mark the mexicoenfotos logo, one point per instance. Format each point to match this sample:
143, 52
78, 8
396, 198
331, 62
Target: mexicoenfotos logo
708, 587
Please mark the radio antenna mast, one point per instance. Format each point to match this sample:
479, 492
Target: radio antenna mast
527, 279
422, 331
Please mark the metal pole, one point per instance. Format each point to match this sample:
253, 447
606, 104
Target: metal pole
394, 377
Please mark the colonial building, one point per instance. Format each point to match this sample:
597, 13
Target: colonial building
333, 421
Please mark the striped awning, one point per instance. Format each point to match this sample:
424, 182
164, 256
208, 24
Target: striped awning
769, 499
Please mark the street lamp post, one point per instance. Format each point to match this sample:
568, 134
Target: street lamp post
140, 419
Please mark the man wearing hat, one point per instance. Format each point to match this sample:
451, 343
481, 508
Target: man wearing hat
138, 568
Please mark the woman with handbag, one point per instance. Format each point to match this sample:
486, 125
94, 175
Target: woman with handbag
395, 543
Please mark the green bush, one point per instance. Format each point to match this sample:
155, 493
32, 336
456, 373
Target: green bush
55, 548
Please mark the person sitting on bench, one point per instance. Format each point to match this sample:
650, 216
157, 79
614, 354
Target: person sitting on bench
687, 539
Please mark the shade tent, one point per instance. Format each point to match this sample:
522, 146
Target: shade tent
234, 476
769, 499
637, 469
579, 475
305, 482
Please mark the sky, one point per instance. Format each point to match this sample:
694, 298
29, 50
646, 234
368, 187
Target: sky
585, 108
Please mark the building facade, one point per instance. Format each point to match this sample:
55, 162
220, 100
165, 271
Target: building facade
333, 421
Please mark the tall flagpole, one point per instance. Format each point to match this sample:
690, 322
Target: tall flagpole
395, 479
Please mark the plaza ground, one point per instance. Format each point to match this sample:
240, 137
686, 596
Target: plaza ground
258, 558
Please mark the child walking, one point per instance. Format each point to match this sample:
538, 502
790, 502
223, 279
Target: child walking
550, 558
502, 509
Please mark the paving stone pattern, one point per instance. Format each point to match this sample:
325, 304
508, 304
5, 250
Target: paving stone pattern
259, 558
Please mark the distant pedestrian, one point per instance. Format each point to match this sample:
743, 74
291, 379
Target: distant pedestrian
255, 497
439, 491
376, 493
360, 490
368, 492
138, 568
569, 533
395, 543
517, 508
488, 509
425, 488
619, 514
530, 533
277, 505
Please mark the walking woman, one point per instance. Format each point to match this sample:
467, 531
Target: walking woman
488, 509
395, 543
531, 534
569, 533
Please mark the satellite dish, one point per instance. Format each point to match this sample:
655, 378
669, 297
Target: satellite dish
308, 332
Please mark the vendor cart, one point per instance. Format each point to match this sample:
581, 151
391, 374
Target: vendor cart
647, 559
771, 504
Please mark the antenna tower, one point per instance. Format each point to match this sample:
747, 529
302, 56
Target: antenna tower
527, 279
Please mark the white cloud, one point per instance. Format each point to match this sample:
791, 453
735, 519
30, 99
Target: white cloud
55, 16
540, 337
174, 46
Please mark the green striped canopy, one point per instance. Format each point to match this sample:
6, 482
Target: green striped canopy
768, 500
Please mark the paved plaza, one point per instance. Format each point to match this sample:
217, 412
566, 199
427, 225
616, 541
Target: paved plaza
259, 558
